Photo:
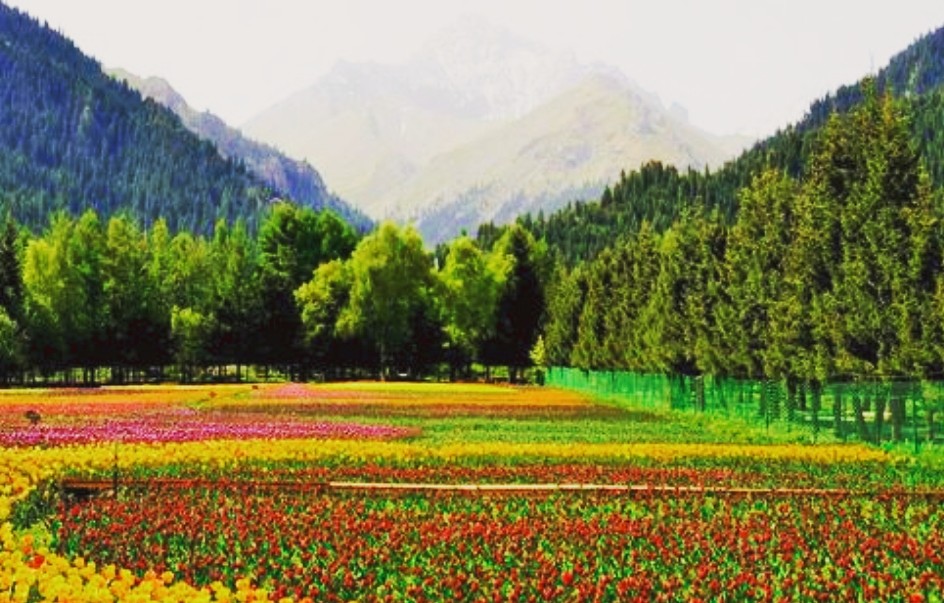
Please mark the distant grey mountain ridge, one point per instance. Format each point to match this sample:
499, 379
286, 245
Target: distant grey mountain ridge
293, 178
479, 125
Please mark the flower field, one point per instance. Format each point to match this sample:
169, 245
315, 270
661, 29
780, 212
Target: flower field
449, 546
285, 492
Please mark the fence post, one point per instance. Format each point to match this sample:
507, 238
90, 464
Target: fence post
816, 392
914, 420
790, 403
765, 403
838, 412
917, 395
698, 385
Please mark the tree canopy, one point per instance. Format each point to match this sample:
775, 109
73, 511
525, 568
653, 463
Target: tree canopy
831, 276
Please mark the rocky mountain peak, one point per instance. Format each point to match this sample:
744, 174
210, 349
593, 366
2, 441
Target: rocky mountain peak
493, 73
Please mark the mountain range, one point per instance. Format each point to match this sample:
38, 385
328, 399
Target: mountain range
74, 138
657, 194
479, 125
292, 178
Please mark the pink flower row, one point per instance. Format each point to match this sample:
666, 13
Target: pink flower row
85, 409
297, 391
144, 431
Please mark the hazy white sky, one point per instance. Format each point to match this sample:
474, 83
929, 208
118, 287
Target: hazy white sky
737, 65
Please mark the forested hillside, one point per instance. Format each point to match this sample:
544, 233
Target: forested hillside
293, 179
658, 194
915, 71
835, 275
72, 138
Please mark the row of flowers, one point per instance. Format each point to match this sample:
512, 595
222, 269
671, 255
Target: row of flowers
420, 394
31, 573
27, 572
455, 546
192, 529
365, 392
56, 417
74, 401
22, 468
191, 429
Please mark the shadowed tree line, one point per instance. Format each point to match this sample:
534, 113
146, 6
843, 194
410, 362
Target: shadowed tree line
304, 296
833, 276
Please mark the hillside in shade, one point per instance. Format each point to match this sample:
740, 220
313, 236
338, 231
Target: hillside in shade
291, 178
73, 138
657, 193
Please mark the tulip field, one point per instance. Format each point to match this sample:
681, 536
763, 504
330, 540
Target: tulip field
435, 492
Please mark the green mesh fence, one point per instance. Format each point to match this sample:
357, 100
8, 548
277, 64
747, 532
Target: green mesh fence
890, 410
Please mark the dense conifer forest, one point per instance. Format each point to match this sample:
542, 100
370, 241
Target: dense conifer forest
657, 194
73, 138
834, 274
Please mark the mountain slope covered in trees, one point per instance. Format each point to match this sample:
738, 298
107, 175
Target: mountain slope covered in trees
72, 138
658, 193
479, 125
293, 179
835, 275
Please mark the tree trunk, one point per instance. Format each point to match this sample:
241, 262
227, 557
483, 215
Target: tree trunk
383, 361
880, 404
791, 399
861, 426
837, 414
898, 418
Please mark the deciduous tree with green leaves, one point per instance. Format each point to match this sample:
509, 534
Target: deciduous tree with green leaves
236, 300
134, 319
521, 304
320, 302
470, 283
391, 288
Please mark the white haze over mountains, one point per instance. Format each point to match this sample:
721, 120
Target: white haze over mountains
490, 73
738, 66
479, 125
